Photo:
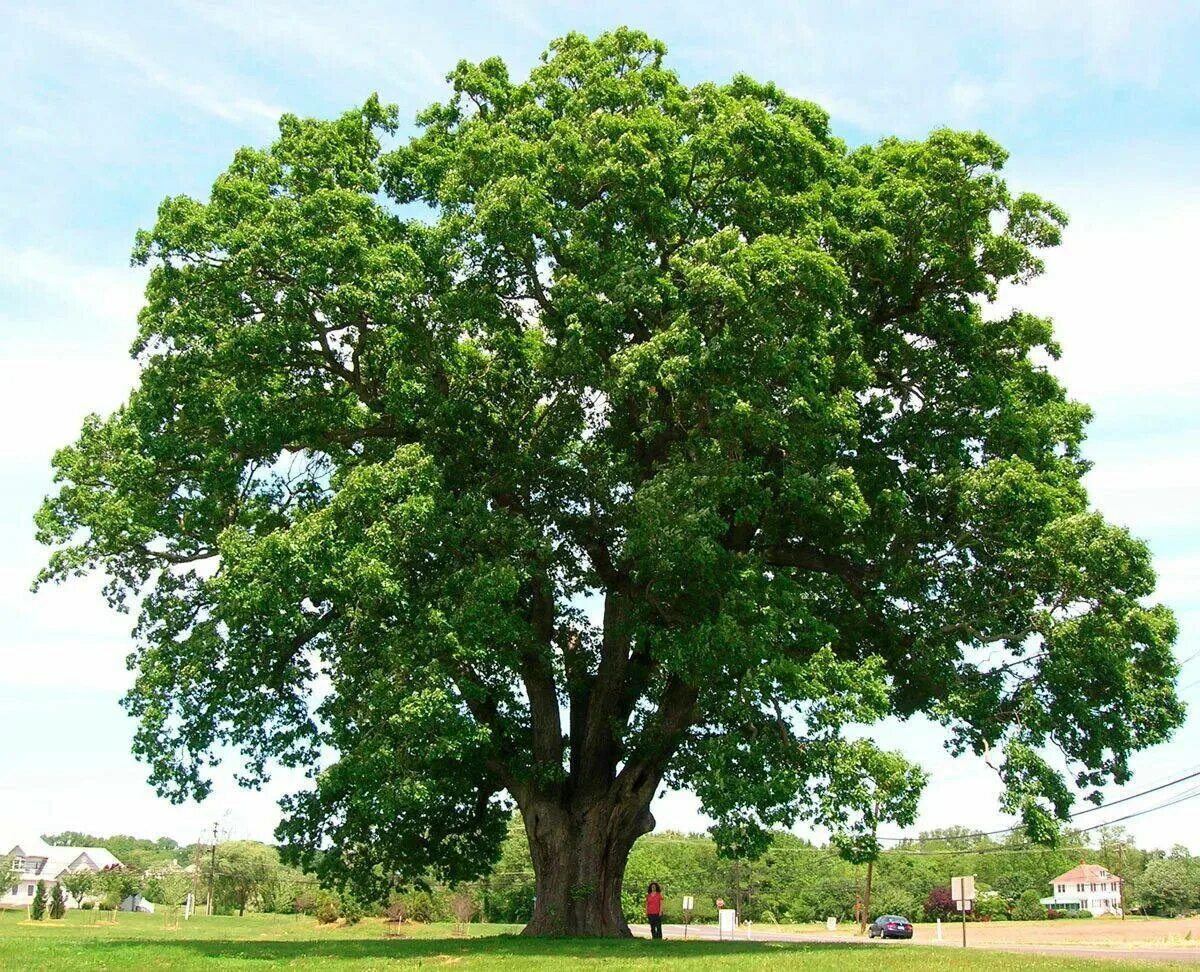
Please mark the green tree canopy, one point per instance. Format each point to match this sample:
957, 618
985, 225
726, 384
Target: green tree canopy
78, 884
242, 871
610, 433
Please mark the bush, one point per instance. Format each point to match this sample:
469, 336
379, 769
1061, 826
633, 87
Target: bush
1029, 907
328, 908
989, 906
38, 911
421, 907
58, 904
894, 901
87, 906
768, 918
352, 911
939, 904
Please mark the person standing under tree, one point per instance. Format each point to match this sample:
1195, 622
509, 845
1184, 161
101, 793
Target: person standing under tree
654, 909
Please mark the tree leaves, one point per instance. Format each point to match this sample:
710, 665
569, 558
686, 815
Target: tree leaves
598, 339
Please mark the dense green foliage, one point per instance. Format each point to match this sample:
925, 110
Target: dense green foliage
58, 902
795, 880
37, 909
240, 871
78, 884
670, 412
1170, 885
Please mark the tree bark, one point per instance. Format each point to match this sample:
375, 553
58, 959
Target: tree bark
579, 858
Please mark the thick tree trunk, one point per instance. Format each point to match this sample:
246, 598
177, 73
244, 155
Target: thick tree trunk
579, 858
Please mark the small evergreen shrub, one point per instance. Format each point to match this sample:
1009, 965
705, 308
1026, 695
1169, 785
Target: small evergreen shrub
58, 903
38, 911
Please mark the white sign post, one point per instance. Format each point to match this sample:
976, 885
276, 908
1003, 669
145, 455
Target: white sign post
962, 890
726, 922
689, 904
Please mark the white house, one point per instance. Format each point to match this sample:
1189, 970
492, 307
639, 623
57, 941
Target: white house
40, 863
1086, 887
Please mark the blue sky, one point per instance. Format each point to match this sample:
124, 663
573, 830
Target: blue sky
104, 113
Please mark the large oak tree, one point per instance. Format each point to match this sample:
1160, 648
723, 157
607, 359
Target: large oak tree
607, 435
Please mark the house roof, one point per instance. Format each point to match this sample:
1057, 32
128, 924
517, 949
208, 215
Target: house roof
1085, 873
59, 859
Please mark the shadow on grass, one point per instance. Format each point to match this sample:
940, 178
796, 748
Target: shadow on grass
499, 947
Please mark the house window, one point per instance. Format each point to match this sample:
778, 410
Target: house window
29, 890
1079, 887
1062, 889
1093, 885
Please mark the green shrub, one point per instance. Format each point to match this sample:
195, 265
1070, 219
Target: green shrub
352, 911
768, 918
989, 907
58, 903
421, 907
328, 908
1029, 907
894, 901
38, 911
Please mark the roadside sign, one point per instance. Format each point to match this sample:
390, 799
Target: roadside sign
688, 902
962, 890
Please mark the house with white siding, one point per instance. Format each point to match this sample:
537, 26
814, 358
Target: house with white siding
40, 863
1087, 887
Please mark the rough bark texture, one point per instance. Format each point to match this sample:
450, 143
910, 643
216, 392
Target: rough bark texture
579, 858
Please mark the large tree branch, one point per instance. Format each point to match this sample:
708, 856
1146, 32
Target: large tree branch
805, 556
662, 736
538, 678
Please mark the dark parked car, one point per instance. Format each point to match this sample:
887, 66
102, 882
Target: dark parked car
890, 926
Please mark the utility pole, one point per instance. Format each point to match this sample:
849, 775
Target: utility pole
1121, 876
212, 871
737, 887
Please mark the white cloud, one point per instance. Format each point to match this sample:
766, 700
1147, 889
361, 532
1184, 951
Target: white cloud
111, 294
213, 96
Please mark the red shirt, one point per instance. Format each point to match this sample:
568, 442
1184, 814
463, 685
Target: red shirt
654, 903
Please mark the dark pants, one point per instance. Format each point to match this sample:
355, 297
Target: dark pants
655, 925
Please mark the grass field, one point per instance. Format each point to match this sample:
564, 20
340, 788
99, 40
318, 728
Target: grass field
268, 941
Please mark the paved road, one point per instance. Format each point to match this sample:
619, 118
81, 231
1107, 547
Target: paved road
1187, 955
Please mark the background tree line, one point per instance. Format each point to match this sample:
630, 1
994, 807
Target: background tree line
793, 880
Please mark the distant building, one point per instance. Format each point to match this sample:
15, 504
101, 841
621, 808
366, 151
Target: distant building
1087, 887
40, 863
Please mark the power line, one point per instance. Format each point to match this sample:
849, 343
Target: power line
1031, 847
1078, 813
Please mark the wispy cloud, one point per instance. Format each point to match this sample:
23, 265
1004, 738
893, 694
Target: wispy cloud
220, 99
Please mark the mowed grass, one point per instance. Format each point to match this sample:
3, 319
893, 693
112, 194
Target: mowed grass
268, 941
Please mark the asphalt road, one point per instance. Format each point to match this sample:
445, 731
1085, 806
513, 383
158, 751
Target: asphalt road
1185, 956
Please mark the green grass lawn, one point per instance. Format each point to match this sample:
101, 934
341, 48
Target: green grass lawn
267, 941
